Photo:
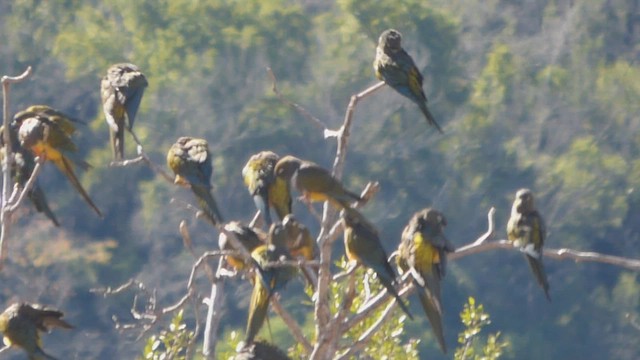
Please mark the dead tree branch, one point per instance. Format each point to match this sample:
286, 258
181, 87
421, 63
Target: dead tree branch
7, 184
291, 323
306, 114
482, 245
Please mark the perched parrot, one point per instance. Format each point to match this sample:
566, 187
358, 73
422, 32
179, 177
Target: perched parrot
315, 182
23, 165
396, 68
261, 350
423, 252
301, 244
47, 133
121, 91
266, 188
362, 244
270, 279
247, 237
189, 160
22, 323
526, 230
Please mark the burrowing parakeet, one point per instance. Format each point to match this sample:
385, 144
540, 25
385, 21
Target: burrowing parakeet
267, 189
423, 252
362, 245
315, 182
22, 168
526, 229
396, 68
47, 133
21, 324
269, 279
121, 91
189, 160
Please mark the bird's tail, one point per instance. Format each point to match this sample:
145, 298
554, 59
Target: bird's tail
257, 310
117, 143
433, 310
39, 200
67, 168
430, 119
261, 201
345, 200
538, 271
207, 203
392, 290
40, 355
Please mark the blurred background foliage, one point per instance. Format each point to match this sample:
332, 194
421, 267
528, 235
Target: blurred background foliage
542, 94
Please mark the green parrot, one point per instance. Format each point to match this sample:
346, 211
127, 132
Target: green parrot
121, 91
526, 229
270, 279
266, 188
23, 165
47, 133
301, 244
423, 252
249, 238
315, 182
396, 68
261, 350
189, 160
21, 324
362, 245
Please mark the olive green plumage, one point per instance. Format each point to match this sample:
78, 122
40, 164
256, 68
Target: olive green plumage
21, 324
21, 170
249, 238
526, 229
261, 350
396, 68
267, 189
315, 182
423, 252
121, 91
190, 161
269, 279
47, 133
301, 245
362, 245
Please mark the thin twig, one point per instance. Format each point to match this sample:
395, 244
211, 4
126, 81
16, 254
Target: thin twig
306, 114
364, 339
142, 158
13, 204
373, 304
291, 323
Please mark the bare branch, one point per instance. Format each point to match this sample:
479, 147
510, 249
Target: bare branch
373, 304
291, 323
214, 314
13, 204
7, 182
481, 245
345, 130
580, 256
366, 336
142, 158
306, 114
